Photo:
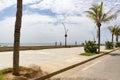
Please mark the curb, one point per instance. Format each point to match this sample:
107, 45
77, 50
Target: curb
72, 66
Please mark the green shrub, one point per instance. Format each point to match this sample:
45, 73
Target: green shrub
90, 47
87, 54
117, 44
109, 45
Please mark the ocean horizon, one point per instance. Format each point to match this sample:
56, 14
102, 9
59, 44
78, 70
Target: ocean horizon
28, 44
34, 44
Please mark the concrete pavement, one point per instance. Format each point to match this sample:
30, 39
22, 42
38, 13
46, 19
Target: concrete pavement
103, 68
49, 60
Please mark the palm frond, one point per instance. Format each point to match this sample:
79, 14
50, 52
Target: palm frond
117, 29
108, 18
94, 9
95, 5
90, 13
96, 13
114, 29
92, 17
100, 11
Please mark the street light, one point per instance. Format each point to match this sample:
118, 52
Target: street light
66, 30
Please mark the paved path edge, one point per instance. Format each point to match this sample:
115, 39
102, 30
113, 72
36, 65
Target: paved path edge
72, 66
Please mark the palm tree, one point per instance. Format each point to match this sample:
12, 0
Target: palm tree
117, 32
96, 13
17, 38
112, 30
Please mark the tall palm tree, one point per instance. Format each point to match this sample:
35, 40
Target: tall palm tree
117, 32
17, 38
112, 29
96, 13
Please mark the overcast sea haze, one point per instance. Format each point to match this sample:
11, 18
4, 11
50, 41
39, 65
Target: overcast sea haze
28, 44
33, 44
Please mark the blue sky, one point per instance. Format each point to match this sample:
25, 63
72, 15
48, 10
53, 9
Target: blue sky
42, 20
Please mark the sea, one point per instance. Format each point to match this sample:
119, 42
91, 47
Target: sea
27, 44
33, 44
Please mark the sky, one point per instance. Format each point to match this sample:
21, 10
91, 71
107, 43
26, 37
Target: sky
42, 21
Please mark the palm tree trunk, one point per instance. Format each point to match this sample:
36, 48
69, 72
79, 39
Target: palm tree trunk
17, 38
99, 39
116, 38
112, 37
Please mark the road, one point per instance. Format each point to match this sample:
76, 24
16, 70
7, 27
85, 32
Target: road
103, 68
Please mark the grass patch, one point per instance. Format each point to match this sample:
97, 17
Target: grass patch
26, 73
9, 70
88, 54
2, 77
109, 48
6, 70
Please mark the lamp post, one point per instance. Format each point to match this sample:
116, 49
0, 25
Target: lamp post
66, 30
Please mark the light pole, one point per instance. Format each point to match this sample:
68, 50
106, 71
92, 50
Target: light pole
66, 30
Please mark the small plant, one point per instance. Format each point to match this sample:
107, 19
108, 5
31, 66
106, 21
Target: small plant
87, 54
117, 44
90, 47
109, 45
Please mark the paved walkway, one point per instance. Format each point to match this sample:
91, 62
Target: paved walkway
50, 60
103, 68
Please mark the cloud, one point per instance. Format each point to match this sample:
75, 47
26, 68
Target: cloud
71, 7
37, 18
68, 7
7, 29
35, 28
40, 28
7, 3
30, 1
44, 29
